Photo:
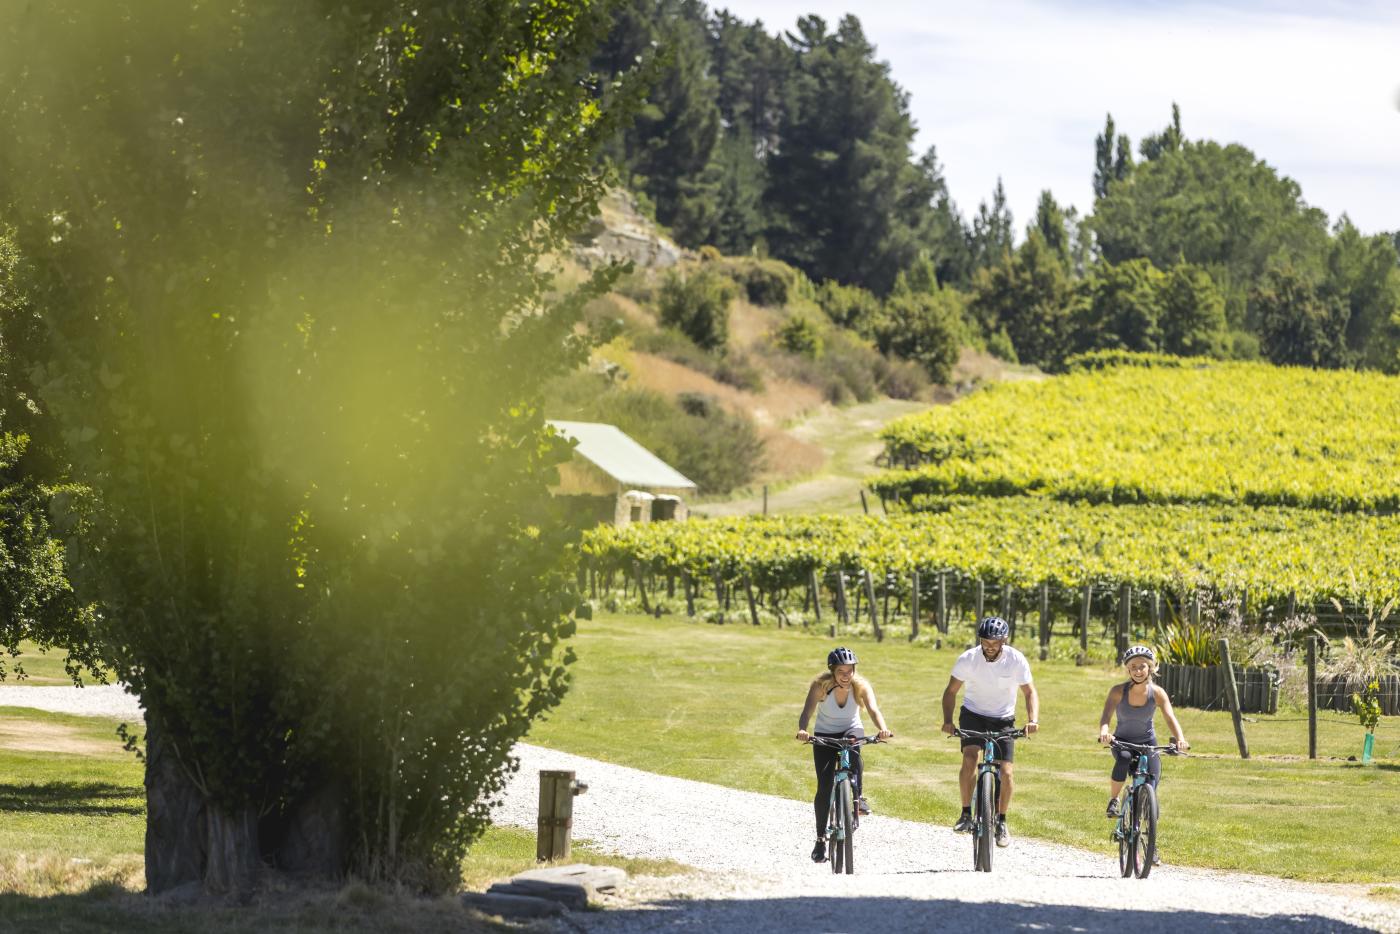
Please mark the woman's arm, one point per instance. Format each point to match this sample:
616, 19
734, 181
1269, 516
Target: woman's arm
1115, 694
808, 706
874, 709
1165, 703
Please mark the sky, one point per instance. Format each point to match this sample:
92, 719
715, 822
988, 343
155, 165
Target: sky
1018, 89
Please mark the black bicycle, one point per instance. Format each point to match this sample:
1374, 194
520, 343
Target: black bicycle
1136, 830
841, 817
985, 794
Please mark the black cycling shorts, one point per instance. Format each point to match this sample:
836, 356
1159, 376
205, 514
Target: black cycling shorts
1006, 747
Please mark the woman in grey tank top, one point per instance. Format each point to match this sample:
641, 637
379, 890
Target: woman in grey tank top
1134, 703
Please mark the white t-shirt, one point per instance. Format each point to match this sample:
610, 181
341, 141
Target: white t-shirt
989, 688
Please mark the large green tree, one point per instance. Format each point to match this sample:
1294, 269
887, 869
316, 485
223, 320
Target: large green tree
281, 312
1028, 297
845, 201
1219, 207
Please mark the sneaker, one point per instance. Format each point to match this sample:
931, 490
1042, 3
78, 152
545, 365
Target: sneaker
862, 806
1112, 812
819, 852
964, 824
1156, 857
1003, 835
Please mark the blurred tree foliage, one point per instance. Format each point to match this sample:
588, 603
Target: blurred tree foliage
277, 304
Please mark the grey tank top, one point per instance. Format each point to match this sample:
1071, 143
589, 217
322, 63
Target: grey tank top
833, 718
1135, 723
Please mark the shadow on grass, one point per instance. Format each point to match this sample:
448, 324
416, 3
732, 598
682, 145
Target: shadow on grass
87, 798
887, 915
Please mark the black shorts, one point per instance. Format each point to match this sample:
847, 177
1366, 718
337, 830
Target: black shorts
1006, 748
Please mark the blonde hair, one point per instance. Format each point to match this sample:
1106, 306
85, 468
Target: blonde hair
827, 682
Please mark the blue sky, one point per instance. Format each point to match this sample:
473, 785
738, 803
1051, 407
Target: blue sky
1019, 88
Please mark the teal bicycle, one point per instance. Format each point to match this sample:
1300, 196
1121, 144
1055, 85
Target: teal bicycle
842, 818
1136, 831
986, 793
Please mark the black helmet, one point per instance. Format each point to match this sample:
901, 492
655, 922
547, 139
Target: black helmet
1139, 651
840, 656
993, 627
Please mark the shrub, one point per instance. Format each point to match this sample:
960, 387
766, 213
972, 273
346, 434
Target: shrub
799, 335
850, 306
766, 284
698, 306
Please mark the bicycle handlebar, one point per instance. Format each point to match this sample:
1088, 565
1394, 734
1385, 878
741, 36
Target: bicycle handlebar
981, 734
1170, 750
843, 742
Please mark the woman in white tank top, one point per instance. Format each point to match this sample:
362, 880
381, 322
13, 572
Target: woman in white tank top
836, 696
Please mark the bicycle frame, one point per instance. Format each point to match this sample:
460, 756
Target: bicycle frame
983, 825
843, 774
1126, 833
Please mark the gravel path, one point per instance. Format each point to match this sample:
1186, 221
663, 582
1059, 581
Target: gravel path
756, 877
94, 700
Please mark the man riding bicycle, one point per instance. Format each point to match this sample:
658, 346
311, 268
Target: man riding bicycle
991, 671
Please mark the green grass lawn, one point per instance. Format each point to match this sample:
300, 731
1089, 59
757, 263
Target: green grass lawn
39, 668
720, 704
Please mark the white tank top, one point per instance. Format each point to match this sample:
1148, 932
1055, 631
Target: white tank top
833, 718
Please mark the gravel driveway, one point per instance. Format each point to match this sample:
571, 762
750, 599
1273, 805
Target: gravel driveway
756, 877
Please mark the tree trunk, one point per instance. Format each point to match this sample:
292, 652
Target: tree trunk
233, 850
312, 839
175, 819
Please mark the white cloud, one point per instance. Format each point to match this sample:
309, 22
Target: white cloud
1018, 89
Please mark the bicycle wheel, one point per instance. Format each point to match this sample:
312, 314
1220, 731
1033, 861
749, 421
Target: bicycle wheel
1125, 836
1146, 820
842, 845
984, 827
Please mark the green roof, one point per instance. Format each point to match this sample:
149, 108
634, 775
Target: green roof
617, 455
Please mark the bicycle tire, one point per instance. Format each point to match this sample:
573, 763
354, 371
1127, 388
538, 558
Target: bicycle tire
841, 841
1146, 820
984, 827
1125, 836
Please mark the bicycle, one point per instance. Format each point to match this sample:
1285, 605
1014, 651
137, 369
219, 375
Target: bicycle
1136, 830
986, 793
841, 819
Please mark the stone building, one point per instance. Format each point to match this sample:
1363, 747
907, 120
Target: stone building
612, 478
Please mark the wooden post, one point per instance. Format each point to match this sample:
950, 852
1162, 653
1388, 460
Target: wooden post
689, 593
641, 587
870, 597
748, 591
1044, 621
1125, 610
1233, 696
979, 600
942, 620
765, 499
1155, 608
865, 507
719, 596
1292, 605
1084, 605
816, 593
553, 839
1312, 697
1195, 614
843, 612
1006, 611
914, 607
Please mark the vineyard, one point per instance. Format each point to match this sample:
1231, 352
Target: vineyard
1262, 555
1206, 433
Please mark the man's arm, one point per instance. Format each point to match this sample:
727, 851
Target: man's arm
950, 697
1032, 707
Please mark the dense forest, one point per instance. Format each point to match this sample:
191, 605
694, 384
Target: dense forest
798, 145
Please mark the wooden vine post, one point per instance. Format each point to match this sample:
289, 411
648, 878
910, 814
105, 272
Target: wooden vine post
1044, 621
870, 599
1232, 694
1084, 603
914, 607
1312, 697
